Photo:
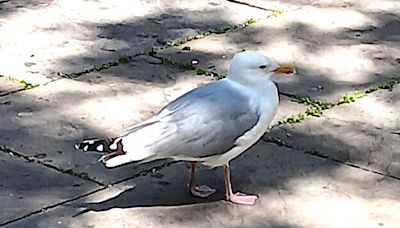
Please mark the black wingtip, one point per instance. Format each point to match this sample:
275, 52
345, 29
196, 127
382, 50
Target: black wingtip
91, 145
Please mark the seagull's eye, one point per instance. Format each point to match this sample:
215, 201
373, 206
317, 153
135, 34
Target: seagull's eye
262, 66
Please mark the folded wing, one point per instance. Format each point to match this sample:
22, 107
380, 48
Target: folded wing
203, 122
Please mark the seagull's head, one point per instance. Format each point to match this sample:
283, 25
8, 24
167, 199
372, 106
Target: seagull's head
250, 67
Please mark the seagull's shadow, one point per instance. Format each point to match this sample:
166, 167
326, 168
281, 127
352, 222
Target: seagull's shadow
166, 188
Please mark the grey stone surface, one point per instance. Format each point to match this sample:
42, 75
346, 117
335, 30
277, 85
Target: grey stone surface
27, 187
100, 104
356, 142
41, 38
296, 190
339, 52
365, 132
336, 46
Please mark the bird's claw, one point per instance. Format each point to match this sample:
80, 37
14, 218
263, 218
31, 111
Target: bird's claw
202, 191
243, 199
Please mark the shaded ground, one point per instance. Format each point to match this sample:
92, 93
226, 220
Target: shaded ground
330, 160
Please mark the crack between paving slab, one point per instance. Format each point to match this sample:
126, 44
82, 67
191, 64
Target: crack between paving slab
24, 84
44, 209
71, 172
355, 95
254, 6
21, 83
187, 67
12, 92
101, 66
317, 154
282, 143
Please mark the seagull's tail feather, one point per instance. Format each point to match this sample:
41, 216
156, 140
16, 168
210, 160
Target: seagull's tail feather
97, 145
134, 145
114, 154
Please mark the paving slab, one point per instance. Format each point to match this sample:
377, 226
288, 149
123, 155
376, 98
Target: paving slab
369, 129
27, 187
295, 189
41, 38
357, 142
334, 49
50, 119
365, 132
320, 38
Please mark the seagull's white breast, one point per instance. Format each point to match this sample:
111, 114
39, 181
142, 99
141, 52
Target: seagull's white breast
265, 100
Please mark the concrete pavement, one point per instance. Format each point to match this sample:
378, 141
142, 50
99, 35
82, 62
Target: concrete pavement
70, 71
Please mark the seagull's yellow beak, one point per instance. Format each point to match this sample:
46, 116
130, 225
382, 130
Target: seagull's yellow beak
285, 70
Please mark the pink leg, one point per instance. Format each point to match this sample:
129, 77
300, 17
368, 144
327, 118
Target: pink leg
202, 191
238, 198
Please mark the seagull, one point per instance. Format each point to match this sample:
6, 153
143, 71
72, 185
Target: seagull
211, 124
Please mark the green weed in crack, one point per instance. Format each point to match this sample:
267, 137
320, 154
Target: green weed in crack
316, 107
184, 66
204, 34
352, 97
276, 141
323, 105
171, 63
102, 66
171, 43
25, 85
210, 73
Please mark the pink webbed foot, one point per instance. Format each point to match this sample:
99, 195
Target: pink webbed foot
202, 191
243, 199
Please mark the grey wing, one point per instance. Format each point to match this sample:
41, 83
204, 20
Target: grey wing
204, 122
